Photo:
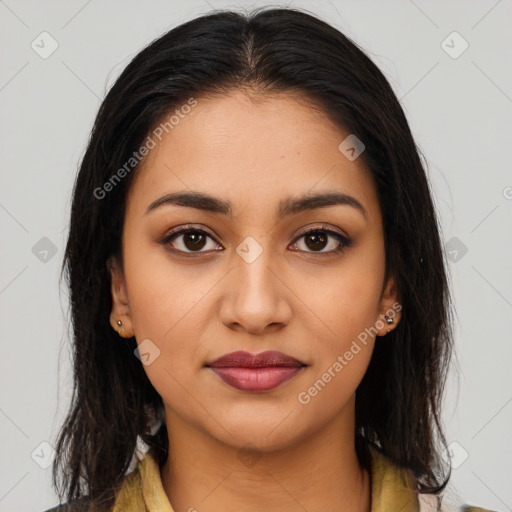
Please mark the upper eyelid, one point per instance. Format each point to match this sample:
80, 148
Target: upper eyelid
323, 227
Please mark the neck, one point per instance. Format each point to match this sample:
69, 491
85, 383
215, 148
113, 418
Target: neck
320, 472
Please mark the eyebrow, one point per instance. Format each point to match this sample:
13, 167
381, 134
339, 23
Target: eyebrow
288, 206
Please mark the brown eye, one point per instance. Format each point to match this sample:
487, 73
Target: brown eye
188, 240
316, 240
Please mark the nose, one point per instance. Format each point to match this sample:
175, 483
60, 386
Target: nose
255, 299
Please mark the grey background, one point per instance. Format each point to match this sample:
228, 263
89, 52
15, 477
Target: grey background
459, 109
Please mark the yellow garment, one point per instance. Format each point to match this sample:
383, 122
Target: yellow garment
142, 490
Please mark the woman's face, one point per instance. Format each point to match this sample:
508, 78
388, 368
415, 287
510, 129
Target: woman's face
246, 277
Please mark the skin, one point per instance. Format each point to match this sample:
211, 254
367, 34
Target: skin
305, 303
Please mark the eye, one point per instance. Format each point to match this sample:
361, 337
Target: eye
317, 239
188, 240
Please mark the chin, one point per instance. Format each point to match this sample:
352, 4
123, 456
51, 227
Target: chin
263, 437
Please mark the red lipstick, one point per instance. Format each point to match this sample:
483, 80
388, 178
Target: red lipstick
258, 372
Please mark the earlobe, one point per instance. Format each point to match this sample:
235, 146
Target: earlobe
120, 314
120, 326
390, 309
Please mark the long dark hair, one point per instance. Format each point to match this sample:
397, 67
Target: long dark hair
398, 405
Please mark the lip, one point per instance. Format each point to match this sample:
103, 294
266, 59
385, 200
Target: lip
259, 372
265, 359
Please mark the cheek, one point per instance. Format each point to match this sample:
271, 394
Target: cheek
348, 306
343, 341
167, 305
348, 299
167, 309
162, 294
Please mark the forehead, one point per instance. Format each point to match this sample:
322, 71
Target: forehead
239, 147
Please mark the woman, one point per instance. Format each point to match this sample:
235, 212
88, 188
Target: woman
258, 289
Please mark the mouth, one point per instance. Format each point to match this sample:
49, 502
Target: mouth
256, 373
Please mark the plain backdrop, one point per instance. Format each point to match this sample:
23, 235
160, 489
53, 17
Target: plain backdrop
450, 63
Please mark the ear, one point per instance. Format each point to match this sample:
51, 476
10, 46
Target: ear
120, 307
390, 309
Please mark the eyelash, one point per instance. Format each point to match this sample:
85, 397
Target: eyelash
343, 240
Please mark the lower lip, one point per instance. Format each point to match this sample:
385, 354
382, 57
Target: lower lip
256, 379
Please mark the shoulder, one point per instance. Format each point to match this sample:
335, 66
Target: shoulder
393, 485
428, 504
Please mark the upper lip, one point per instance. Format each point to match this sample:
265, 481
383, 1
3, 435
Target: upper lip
244, 359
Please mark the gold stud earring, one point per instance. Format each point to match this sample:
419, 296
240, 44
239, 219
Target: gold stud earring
120, 323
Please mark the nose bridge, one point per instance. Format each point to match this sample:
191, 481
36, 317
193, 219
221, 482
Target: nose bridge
255, 297
253, 266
